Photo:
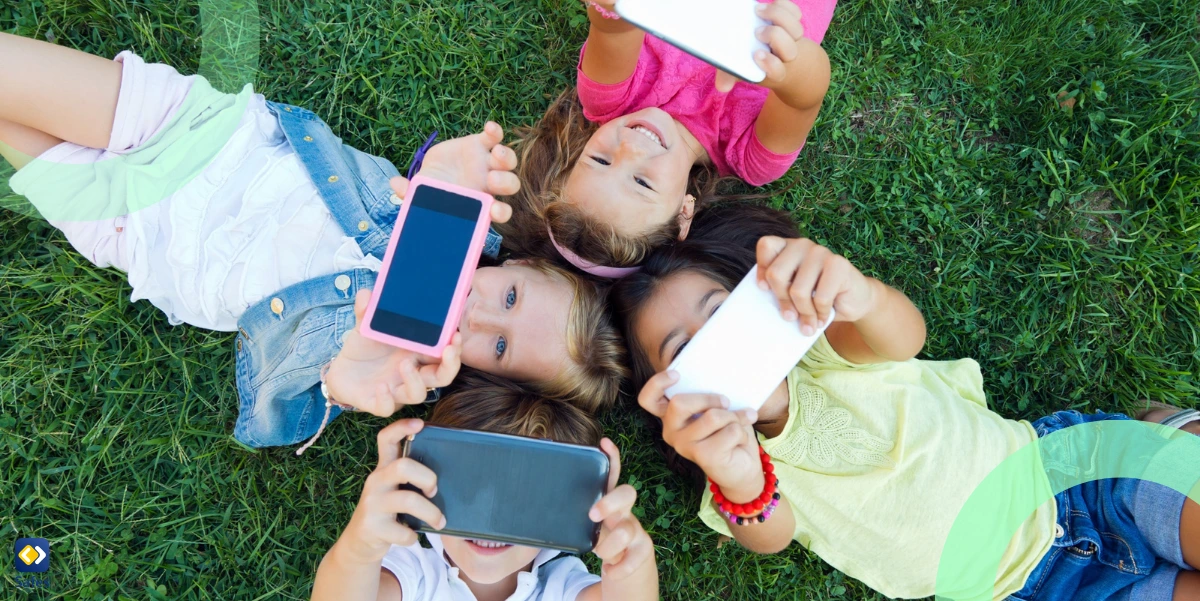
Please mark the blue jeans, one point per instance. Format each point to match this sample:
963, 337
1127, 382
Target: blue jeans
1116, 539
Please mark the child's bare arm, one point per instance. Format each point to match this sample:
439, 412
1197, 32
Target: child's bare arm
797, 74
893, 331
613, 47
352, 569
629, 571
791, 108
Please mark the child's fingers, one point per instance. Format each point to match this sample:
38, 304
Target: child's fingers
830, 284
393, 532
613, 506
361, 300
780, 274
781, 43
412, 388
493, 134
399, 186
682, 408
614, 541
416, 505
801, 291
653, 397
503, 183
502, 158
389, 438
724, 81
771, 65
501, 211
436, 375
767, 249
614, 462
637, 552
784, 14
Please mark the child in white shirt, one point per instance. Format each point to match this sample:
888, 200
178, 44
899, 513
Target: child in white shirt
378, 557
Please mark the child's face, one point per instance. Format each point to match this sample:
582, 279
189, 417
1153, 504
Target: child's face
485, 562
633, 173
515, 321
680, 305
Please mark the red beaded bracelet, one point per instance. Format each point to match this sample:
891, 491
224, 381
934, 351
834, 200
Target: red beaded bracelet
760, 508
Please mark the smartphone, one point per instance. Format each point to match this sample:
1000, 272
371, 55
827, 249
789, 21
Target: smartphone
426, 274
718, 32
744, 350
511, 489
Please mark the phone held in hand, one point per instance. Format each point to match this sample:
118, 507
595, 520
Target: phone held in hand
721, 33
744, 350
426, 275
511, 489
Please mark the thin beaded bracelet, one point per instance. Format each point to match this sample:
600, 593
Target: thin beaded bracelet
604, 12
758, 510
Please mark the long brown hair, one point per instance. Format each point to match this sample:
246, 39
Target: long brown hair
547, 151
722, 249
481, 401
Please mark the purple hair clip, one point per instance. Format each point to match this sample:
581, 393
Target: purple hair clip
420, 156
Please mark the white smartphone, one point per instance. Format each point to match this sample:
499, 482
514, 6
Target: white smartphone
718, 32
744, 350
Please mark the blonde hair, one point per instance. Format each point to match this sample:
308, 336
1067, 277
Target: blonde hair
480, 401
547, 152
596, 352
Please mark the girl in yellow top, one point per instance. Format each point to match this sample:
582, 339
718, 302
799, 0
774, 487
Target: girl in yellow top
875, 452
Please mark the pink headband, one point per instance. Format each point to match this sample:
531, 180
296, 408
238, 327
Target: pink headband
588, 266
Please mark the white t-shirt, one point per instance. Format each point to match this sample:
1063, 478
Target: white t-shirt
426, 575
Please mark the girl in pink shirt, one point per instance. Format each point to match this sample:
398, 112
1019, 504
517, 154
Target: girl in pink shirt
657, 129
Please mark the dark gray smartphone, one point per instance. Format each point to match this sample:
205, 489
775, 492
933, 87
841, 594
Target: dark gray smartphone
511, 489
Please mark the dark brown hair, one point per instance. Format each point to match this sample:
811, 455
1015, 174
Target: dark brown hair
722, 249
547, 151
481, 401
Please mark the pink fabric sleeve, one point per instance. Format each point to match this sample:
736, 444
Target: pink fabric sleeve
754, 163
605, 102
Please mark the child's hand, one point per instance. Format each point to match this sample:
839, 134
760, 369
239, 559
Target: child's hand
702, 429
808, 279
624, 545
379, 378
479, 162
373, 528
782, 35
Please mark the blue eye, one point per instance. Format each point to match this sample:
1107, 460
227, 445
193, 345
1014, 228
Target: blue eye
601, 161
501, 346
511, 298
641, 182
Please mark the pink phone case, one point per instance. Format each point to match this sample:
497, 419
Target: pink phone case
464, 278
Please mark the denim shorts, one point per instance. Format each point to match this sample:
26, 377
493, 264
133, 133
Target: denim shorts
1115, 539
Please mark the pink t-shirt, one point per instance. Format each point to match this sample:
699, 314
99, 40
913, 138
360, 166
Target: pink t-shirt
682, 85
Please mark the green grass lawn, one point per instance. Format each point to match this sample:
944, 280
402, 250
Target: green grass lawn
1055, 242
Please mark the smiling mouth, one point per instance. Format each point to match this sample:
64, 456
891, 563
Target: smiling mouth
487, 547
652, 135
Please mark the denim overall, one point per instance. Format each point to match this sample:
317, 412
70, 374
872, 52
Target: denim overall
285, 339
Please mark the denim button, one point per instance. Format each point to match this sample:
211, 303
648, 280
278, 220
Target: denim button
395, 199
342, 282
363, 225
308, 138
277, 306
1058, 531
333, 179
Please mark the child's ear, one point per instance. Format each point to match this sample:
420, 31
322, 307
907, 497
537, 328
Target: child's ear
508, 262
686, 212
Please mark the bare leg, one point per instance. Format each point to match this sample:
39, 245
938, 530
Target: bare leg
65, 93
20, 144
1189, 522
1187, 586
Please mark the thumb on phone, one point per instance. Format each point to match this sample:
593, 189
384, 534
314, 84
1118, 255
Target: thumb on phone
614, 462
361, 300
399, 185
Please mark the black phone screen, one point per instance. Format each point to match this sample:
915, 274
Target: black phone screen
414, 302
512, 489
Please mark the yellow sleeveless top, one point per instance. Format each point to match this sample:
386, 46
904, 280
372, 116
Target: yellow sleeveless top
876, 461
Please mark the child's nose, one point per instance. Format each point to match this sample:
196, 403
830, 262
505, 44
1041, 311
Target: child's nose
481, 318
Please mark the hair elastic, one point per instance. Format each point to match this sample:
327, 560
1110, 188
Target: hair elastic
585, 265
